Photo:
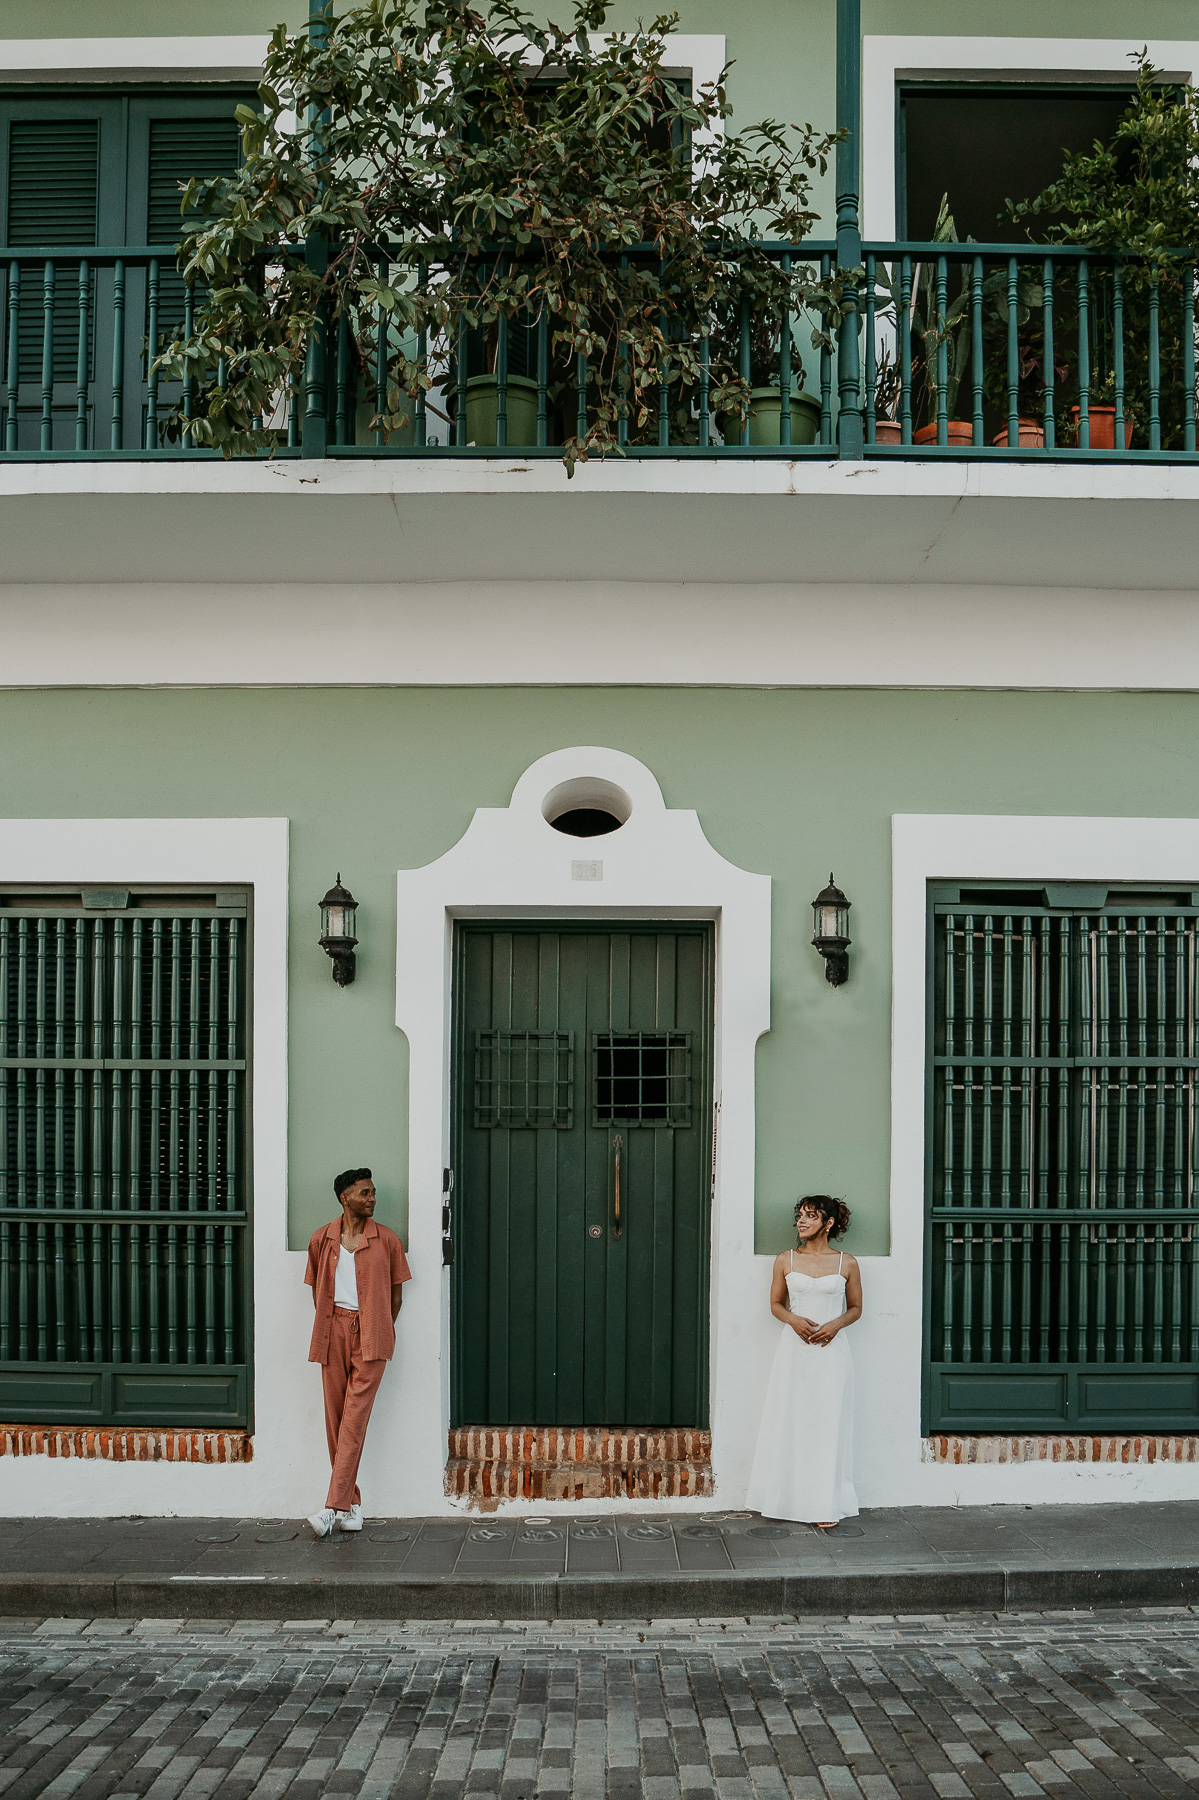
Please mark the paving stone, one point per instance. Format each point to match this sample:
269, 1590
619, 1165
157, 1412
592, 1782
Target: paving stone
871, 1707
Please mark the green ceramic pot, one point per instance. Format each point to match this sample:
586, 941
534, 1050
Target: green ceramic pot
765, 413
482, 404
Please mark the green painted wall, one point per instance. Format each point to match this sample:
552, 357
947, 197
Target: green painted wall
789, 783
783, 50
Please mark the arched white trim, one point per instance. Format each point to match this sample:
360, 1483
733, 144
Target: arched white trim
511, 864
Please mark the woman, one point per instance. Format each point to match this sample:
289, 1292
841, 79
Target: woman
803, 1466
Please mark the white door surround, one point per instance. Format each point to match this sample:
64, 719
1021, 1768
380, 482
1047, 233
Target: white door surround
511, 863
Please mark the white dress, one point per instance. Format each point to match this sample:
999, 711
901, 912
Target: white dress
803, 1466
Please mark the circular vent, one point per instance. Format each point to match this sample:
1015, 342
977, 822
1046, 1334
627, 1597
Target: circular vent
586, 807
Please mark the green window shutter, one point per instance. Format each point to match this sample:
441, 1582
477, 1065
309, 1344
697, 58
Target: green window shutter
180, 150
1062, 1268
53, 198
53, 181
124, 1274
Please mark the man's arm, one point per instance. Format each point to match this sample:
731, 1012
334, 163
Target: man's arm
397, 1300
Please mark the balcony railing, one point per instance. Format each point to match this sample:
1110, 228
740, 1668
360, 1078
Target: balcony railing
1007, 351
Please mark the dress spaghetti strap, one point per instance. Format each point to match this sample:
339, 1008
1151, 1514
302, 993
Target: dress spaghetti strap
840, 1260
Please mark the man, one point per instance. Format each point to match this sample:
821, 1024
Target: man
356, 1270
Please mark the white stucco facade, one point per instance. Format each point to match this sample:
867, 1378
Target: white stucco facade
511, 863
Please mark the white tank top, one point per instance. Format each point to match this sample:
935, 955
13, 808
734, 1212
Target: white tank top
345, 1282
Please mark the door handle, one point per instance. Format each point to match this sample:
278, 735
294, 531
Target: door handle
618, 1146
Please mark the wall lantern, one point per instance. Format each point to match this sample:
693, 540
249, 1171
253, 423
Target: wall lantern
830, 920
339, 911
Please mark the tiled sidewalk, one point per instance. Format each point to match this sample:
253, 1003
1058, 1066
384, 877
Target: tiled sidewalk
616, 1563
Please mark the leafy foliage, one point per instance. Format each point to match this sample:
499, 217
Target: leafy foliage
422, 171
1137, 195
933, 321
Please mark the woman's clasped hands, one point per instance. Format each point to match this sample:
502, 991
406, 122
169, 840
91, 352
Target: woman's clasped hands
810, 1332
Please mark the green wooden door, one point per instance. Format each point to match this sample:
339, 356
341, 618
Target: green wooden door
582, 1074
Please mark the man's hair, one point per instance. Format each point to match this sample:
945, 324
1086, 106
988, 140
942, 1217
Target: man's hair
349, 1178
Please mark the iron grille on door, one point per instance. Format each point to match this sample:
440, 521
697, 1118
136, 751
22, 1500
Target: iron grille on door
1062, 1269
124, 1276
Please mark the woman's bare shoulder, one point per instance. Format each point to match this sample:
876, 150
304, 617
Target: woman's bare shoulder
780, 1261
849, 1259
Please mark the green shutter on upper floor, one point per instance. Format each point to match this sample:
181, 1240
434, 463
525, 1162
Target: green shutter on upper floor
97, 168
53, 181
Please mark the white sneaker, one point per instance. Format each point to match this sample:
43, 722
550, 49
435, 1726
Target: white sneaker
350, 1521
323, 1522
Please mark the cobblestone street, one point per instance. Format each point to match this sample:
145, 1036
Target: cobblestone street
1098, 1703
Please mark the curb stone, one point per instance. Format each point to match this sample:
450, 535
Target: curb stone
975, 1587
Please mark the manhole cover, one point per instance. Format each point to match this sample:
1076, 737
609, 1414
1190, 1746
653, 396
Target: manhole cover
844, 1530
390, 1537
542, 1534
591, 1531
441, 1537
489, 1534
219, 1537
277, 1534
770, 1531
700, 1531
647, 1531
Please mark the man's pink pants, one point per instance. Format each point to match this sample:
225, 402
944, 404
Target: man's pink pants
350, 1385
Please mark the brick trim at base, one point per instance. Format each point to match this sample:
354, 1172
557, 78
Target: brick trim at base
488, 1464
1058, 1448
113, 1443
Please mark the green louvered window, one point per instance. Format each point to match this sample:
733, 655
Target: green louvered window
53, 195
101, 169
1062, 1261
124, 1217
180, 149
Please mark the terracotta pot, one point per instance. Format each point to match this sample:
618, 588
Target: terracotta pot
958, 431
1031, 436
888, 431
1103, 427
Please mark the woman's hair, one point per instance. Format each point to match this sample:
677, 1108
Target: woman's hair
835, 1211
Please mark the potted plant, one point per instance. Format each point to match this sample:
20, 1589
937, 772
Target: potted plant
760, 419
887, 393
482, 396
1137, 196
929, 330
996, 310
1101, 416
446, 168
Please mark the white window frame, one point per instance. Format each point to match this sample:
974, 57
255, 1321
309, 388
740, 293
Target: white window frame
198, 853
133, 59
999, 848
886, 61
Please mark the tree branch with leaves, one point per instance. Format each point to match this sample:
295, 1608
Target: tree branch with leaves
424, 171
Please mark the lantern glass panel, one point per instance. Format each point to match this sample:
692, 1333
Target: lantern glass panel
831, 921
338, 921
